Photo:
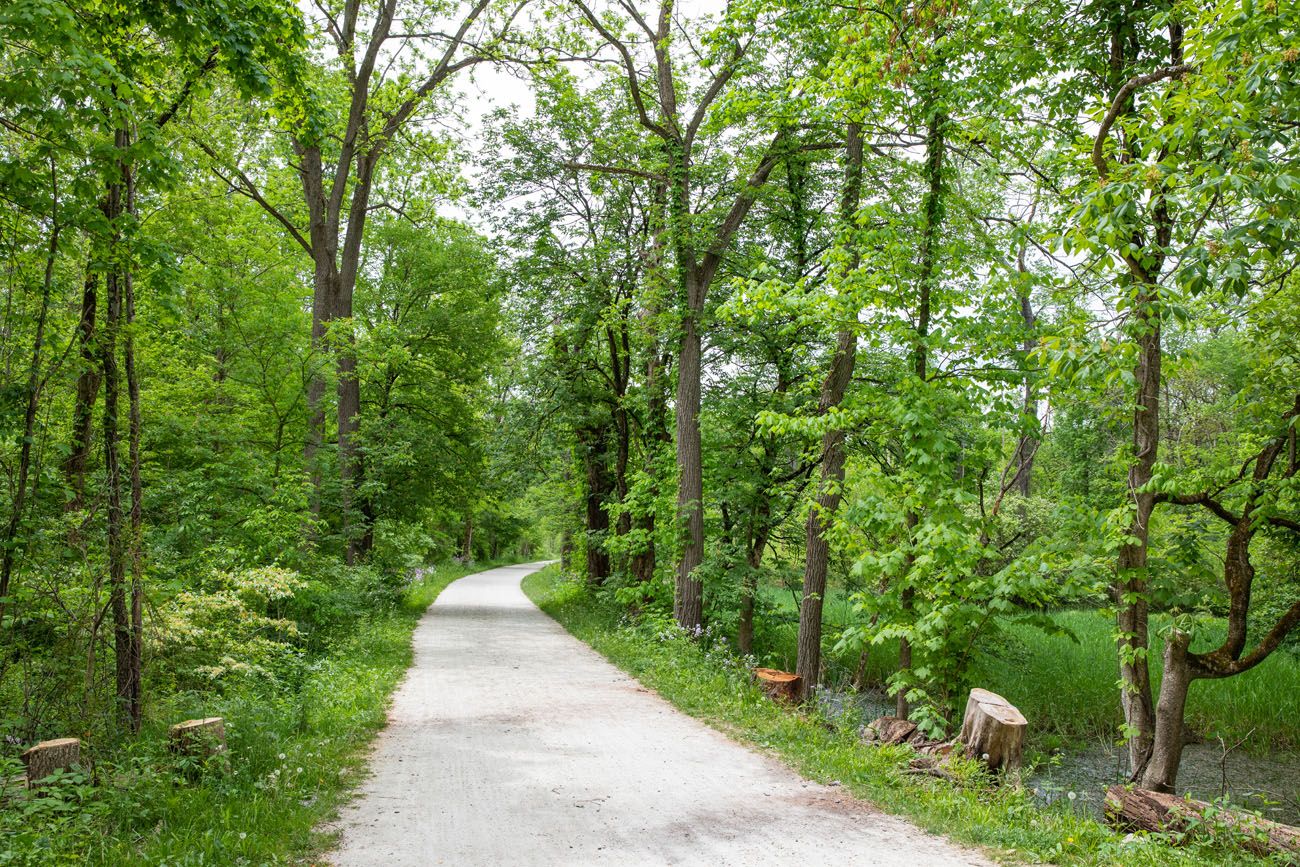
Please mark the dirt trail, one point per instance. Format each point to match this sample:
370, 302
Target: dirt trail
511, 743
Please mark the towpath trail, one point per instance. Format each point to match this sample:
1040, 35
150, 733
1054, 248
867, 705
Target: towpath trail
512, 743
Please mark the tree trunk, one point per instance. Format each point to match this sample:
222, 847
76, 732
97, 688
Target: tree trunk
777, 685
622, 451
135, 652
1161, 771
1162, 812
817, 548
11, 541
901, 706
749, 586
49, 756
993, 731
933, 218
123, 637
689, 598
1027, 446
597, 487
1132, 610
200, 738
83, 413
657, 435
817, 558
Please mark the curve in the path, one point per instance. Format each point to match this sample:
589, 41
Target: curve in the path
512, 743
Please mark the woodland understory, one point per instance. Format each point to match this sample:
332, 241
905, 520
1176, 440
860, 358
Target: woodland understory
909, 347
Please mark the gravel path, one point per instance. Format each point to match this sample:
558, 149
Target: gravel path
510, 743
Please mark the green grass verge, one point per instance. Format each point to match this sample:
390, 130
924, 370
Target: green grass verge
711, 684
293, 759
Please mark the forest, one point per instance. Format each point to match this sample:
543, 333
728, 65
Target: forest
907, 347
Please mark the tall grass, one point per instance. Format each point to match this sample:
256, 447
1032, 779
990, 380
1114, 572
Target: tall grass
1068, 685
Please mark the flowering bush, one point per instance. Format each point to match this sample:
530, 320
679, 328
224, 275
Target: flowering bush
233, 631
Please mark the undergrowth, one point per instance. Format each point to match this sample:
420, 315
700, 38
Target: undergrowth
293, 757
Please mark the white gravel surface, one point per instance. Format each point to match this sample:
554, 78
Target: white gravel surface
512, 743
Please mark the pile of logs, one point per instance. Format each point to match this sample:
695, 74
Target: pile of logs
1143, 810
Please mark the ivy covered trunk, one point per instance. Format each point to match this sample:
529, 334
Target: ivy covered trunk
1131, 565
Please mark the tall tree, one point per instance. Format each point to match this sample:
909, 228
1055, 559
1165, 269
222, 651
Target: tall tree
698, 240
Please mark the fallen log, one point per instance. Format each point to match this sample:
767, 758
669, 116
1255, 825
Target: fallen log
1144, 810
993, 730
49, 756
778, 685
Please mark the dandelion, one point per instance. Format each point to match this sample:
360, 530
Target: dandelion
243, 835
1071, 796
283, 757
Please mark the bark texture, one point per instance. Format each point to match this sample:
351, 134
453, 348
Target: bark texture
993, 730
777, 685
198, 737
49, 756
1144, 810
834, 387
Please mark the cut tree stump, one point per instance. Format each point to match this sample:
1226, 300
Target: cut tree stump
778, 685
993, 730
200, 738
49, 756
888, 730
1144, 810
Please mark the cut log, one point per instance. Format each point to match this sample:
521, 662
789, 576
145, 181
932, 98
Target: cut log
993, 730
888, 730
1144, 810
200, 738
777, 685
49, 756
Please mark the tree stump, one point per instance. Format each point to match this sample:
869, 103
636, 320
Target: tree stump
888, 730
200, 738
49, 756
778, 685
993, 730
1144, 810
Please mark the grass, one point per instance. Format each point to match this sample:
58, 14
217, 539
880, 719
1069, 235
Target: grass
293, 759
1261, 706
709, 683
1033, 670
